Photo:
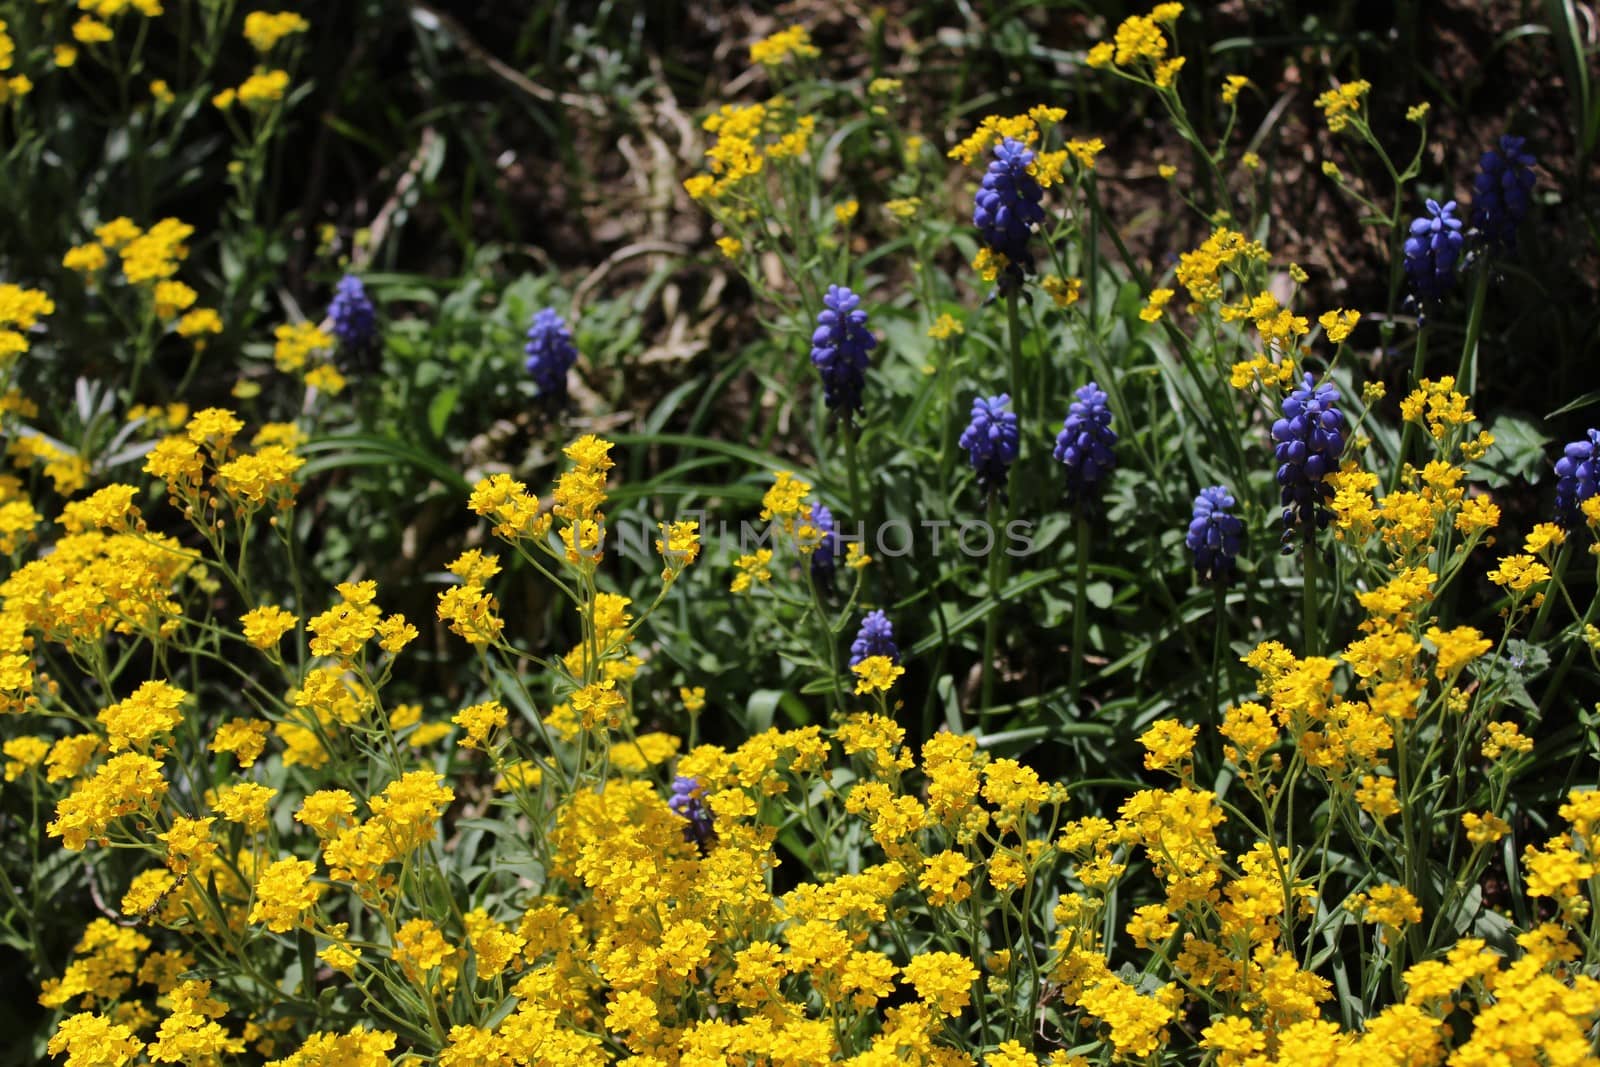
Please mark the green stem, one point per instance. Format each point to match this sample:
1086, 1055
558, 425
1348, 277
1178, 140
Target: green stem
991, 625
1410, 431
854, 471
1014, 331
1080, 615
1467, 372
1219, 629
1557, 581
1309, 604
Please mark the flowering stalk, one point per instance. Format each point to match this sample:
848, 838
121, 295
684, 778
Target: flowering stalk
1467, 371
1014, 339
991, 625
1308, 606
1080, 614
1409, 433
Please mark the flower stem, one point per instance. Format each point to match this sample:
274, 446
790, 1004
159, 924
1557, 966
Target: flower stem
852, 431
1410, 431
1014, 331
991, 626
1467, 372
1309, 604
1080, 615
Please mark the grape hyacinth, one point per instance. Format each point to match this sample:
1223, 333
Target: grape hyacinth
688, 800
875, 638
1577, 479
355, 321
839, 349
1007, 209
1308, 439
1502, 193
991, 440
1214, 534
550, 354
1433, 251
1084, 445
825, 557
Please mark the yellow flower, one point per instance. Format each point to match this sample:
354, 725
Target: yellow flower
326, 379
794, 41
846, 212
284, 893
1167, 72
903, 208
479, 721
172, 297
1063, 292
150, 712
265, 626
65, 55
264, 30
730, 247
944, 878
783, 501
90, 31
263, 88
1484, 829
85, 258
1159, 299
1167, 744
679, 546
943, 980
22, 753
1519, 573
1341, 104
945, 327
246, 804
1231, 86
1338, 324
876, 674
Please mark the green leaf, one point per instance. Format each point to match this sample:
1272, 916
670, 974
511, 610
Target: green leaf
1518, 453
440, 407
372, 450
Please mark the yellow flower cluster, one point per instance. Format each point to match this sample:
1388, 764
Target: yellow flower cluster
20, 312
794, 42
264, 29
1139, 49
1342, 104
747, 136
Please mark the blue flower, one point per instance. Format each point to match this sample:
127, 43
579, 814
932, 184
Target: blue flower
688, 800
1214, 534
839, 349
1577, 479
1309, 439
550, 354
825, 557
875, 638
1007, 209
1084, 445
355, 321
1433, 251
1503, 191
991, 440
